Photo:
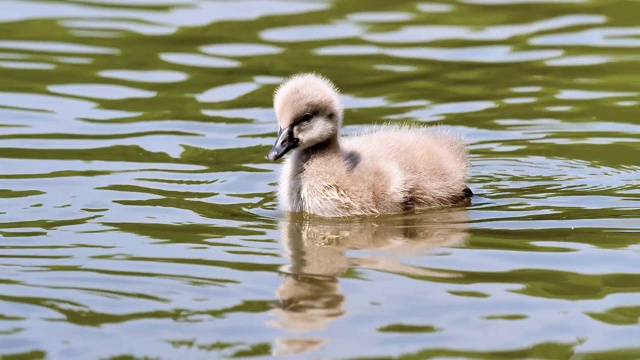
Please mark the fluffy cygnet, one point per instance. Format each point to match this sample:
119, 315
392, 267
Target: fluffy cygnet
384, 170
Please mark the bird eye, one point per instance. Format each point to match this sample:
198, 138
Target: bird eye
306, 117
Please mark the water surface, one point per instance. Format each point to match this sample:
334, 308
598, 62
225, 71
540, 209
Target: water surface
137, 209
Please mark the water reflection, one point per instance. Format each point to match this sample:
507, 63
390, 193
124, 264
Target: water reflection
318, 249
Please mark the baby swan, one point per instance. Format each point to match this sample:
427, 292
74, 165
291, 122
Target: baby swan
384, 170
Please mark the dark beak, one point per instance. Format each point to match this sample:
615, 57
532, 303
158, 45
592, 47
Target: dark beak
285, 142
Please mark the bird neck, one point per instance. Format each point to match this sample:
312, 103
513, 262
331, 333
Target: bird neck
332, 145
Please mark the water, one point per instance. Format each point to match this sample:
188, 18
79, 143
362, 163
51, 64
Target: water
137, 209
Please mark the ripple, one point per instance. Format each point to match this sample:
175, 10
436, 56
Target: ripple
312, 32
435, 7
267, 79
599, 37
257, 114
572, 94
140, 28
395, 68
526, 89
227, 92
240, 49
352, 102
483, 54
436, 111
13, 56
429, 33
579, 60
101, 91
184, 13
488, 54
38, 168
8, 193
56, 47
20, 11
519, 100
147, 76
189, 59
345, 50
28, 57
73, 60
380, 17
105, 34
554, 126
26, 65
60, 105
204, 13
559, 108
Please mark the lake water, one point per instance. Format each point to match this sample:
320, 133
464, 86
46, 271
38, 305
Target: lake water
137, 208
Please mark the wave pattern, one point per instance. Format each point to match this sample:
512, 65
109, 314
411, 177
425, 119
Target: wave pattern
137, 209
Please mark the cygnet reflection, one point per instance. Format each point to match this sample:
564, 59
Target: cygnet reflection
310, 296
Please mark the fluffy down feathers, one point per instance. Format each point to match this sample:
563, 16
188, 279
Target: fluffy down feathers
387, 169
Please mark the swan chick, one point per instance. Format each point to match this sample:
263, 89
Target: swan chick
383, 170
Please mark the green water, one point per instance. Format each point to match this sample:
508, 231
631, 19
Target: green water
137, 209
